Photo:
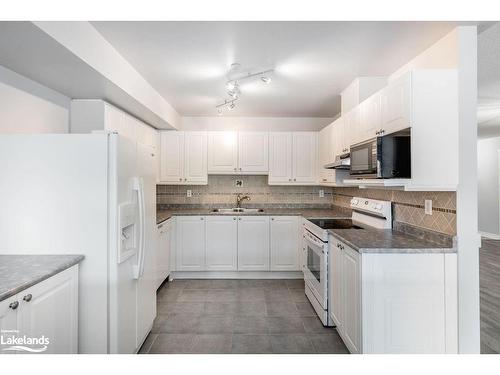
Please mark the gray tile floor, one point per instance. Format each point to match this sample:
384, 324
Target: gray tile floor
489, 275
238, 316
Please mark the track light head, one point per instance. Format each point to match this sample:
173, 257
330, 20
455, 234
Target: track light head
265, 79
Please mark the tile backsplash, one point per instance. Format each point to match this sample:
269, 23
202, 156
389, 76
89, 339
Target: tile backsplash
408, 206
223, 189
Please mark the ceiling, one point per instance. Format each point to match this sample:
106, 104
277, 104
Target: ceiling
488, 81
187, 62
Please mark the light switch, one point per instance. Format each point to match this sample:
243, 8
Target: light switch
321, 193
428, 207
189, 193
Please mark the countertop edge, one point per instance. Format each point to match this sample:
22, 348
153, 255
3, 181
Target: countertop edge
38, 279
396, 250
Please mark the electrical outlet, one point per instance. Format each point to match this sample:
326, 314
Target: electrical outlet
428, 207
189, 193
321, 193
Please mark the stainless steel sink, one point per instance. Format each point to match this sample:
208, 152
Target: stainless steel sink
236, 210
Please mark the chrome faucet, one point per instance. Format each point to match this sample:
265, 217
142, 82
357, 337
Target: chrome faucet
240, 198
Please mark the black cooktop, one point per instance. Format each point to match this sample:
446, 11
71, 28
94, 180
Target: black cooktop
335, 223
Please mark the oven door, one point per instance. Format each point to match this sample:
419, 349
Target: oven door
315, 272
364, 159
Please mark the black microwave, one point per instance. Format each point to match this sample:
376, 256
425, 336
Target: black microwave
383, 157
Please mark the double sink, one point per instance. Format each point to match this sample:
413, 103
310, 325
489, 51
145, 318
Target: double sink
236, 210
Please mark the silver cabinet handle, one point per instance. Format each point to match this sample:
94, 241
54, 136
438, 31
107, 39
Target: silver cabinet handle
234, 168
201, 218
289, 179
324, 180
27, 297
14, 305
185, 179
272, 218
234, 218
239, 218
180, 179
240, 169
295, 179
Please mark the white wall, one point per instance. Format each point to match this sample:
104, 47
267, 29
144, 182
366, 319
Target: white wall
255, 123
441, 55
488, 188
28, 107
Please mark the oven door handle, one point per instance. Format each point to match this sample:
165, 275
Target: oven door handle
315, 241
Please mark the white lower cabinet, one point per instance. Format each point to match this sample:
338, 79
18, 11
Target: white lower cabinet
284, 245
237, 243
163, 251
48, 309
190, 238
351, 302
253, 243
221, 243
392, 302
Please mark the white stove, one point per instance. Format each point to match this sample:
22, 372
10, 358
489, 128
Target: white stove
365, 213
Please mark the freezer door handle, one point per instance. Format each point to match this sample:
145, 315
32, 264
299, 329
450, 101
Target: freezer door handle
138, 268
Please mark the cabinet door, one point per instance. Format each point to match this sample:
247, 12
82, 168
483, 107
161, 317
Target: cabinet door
326, 154
280, 158
190, 239
370, 118
163, 252
119, 122
305, 157
284, 243
8, 320
349, 128
351, 297
253, 152
50, 309
222, 152
335, 287
253, 243
195, 158
172, 157
337, 137
396, 105
222, 243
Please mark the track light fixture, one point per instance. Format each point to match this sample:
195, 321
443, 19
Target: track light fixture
233, 85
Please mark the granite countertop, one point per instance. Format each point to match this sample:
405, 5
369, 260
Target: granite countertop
308, 213
19, 272
370, 240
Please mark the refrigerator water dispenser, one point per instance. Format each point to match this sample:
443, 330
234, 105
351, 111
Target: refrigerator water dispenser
128, 217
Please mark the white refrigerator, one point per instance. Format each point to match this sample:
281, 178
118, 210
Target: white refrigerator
90, 194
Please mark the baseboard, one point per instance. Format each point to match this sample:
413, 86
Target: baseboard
236, 275
491, 236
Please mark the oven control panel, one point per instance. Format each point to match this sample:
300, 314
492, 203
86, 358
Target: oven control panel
372, 206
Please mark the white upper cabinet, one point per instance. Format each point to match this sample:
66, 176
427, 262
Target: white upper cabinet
253, 152
280, 158
195, 158
396, 105
293, 158
349, 127
222, 152
305, 157
325, 153
221, 243
370, 118
183, 159
238, 152
284, 245
172, 157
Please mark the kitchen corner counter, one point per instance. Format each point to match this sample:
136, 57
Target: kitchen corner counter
369, 240
308, 213
19, 272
